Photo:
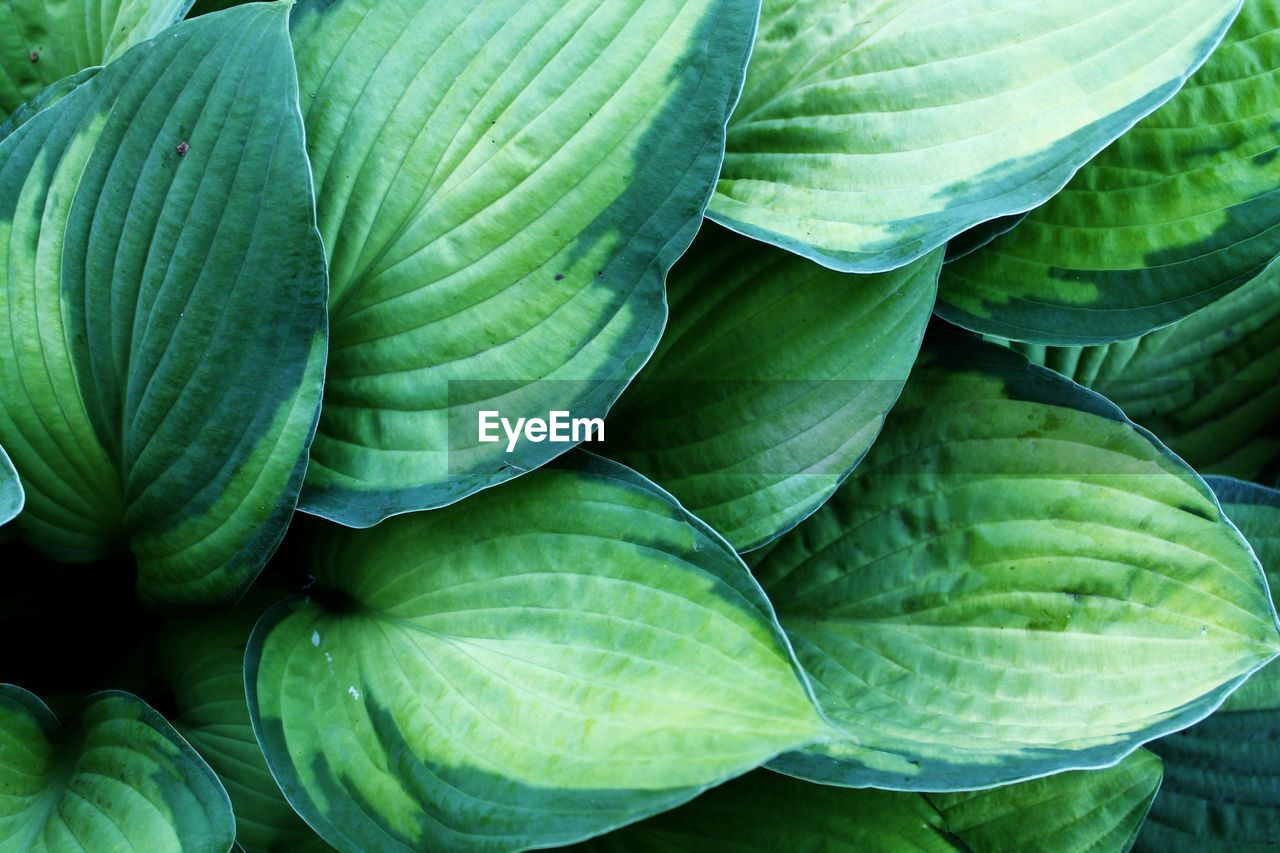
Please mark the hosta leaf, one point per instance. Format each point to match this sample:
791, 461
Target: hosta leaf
1222, 776
42, 41
870, 132
1015, 581
772, 380
768, 812
1085, 810
201, 662
501, 187
120, 778
535, 665
1178, 212
162, 284
1205, 385
1075, 812
11, 496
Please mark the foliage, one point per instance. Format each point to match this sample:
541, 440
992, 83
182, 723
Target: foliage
934, 349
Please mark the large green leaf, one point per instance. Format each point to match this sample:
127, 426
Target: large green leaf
201, 663
1178, 212
11, 496
163, 291
1075, 812
1080, 811
1222, 780
119, 779
538, 664
502, 186
1206, 385
872, 131
772, 380
43, 41
1016, 581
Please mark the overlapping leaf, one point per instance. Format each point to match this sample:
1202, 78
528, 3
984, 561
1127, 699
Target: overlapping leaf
1074, 812
1016, 581
501, 186
42, 42
772, 380
1206, 385
1222, 786
163, 292
870, 132
119, 779
538, 664
201, 662
1177, 213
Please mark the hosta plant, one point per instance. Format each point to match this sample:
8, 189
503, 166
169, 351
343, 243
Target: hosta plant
639, 425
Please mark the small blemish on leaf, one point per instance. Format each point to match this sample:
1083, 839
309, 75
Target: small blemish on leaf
559, 276
34, 57
183, 148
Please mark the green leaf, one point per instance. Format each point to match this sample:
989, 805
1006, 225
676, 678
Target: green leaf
502, 186
772, 380
11, 496
1222, 776
1205, 385
1178, 212
162, 286
1016, 581
535, 665
1085, 810
42, 41
873, 131
119, 779
1074, 812
201, 662
768, 812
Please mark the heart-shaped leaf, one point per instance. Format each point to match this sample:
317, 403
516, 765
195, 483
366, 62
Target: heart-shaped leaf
1222, 778
1075, 812
872, 131
1178, 212
770, 383
538, 664
42, 41
120, 778
162, 289
502, 186
1017, 580
201, 662
1206, 385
